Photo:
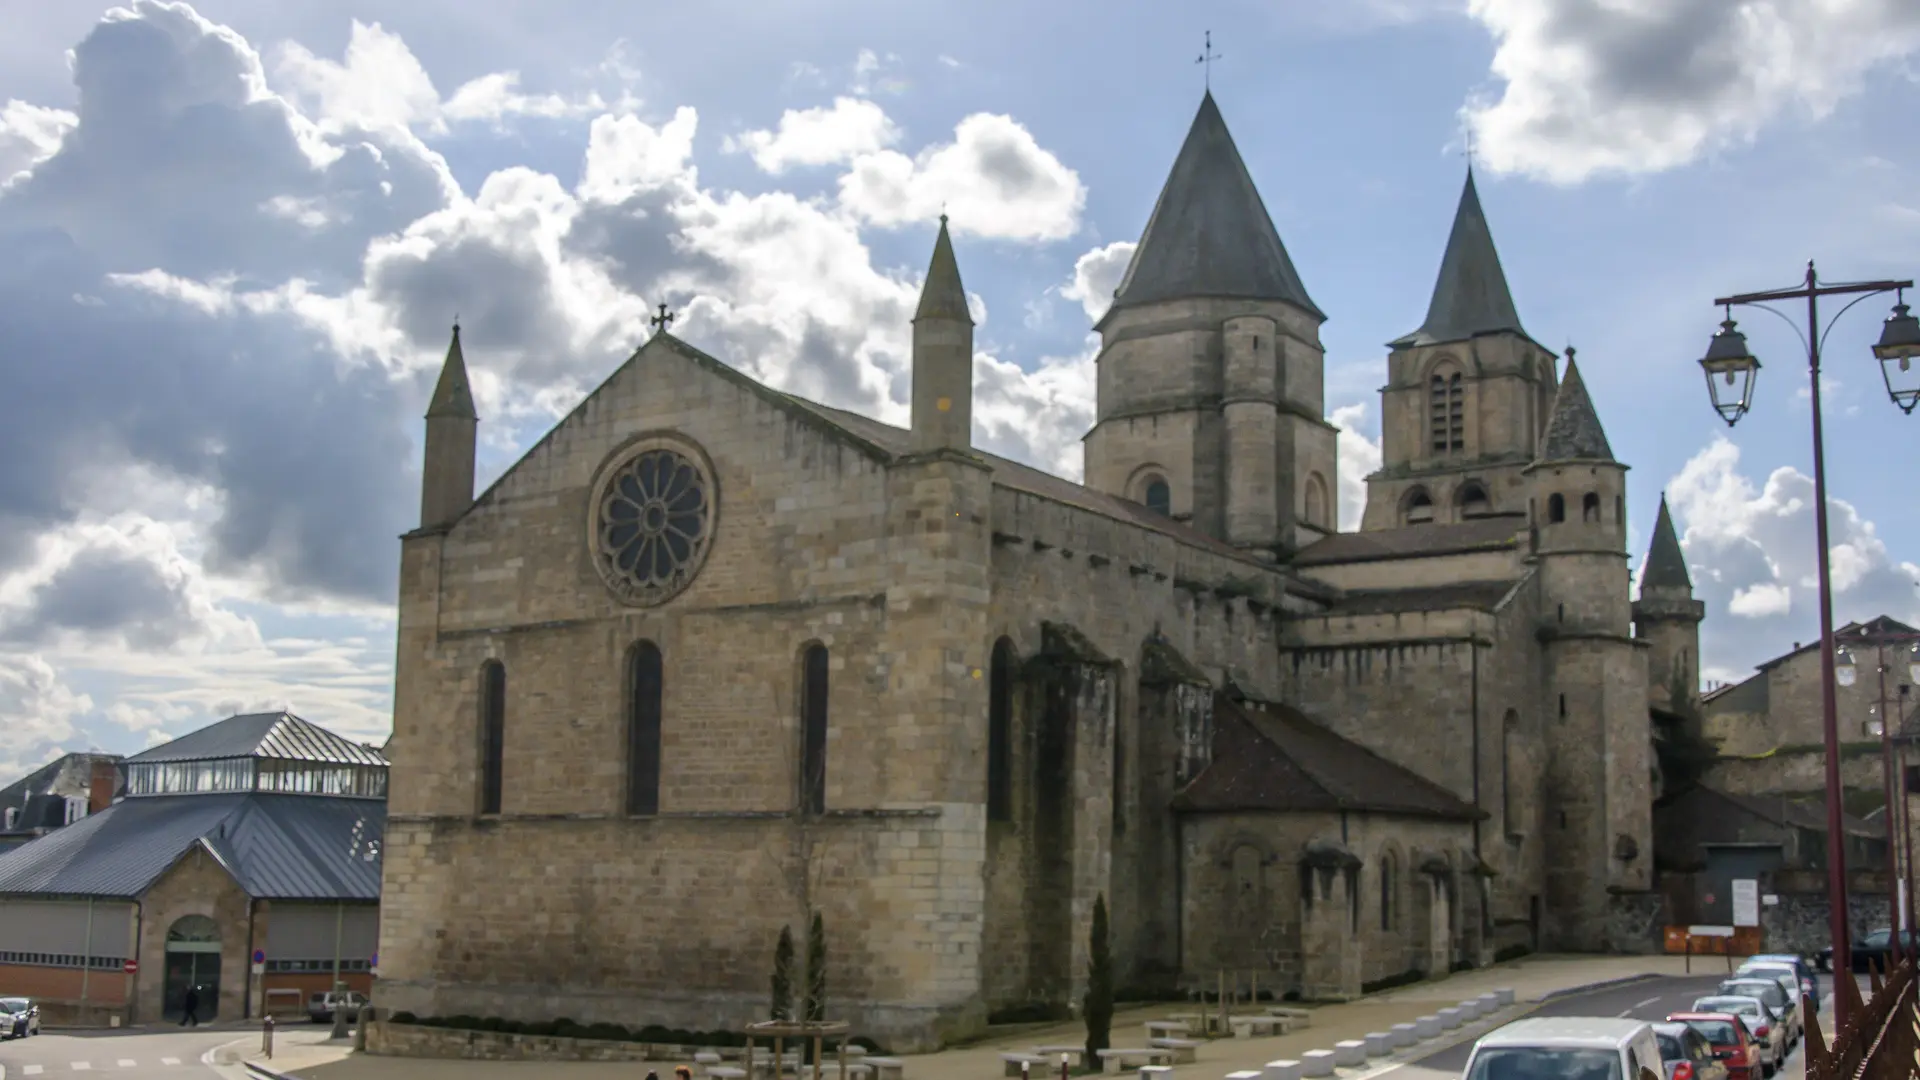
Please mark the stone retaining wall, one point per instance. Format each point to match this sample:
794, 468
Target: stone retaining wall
388, 1039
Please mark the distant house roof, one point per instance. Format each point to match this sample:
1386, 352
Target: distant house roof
282, 736
1491, 533
1852, 632
277, 847
33, 795
1271, 757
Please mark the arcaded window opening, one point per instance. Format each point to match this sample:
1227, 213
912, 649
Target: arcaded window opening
645, 684
813, 729
493, 733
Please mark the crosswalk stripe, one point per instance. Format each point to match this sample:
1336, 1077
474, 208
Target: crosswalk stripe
125, 1063
81, 1066
32, 1070
169, 1061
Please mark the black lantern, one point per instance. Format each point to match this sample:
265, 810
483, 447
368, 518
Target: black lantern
1730, 369
1899, 353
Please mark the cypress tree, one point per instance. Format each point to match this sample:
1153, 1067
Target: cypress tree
782, 1004
816, 999
1098, 1004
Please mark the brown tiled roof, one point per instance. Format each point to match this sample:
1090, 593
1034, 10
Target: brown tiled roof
1272, 757
1411, 541
1477, 595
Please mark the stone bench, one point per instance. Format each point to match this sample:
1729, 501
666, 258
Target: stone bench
1283, 1069
1404, 1035
1317, 1063
1246, 1027
1428, 1026
704, 1060
1156, 1072
1450, 1018
1196, 1022
726, 1072
831, 1069
1253, 1075
1348, 1053
884, 1068
1185, 1051
1166, 1029
1053, 1054
1113, 1059
1015, 1063
1304, 1016
1379, 1044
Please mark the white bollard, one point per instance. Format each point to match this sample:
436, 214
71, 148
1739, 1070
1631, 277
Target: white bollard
1350, 1052
1379, 1044
1315, 1063
1449, 1018
1428, 1026
1469, 1009
1281, 1070
1504, 996
1404, 1035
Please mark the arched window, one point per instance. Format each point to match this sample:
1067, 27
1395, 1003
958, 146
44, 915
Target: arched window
1000, 732
1386, 891
813, 729
1556, 507
1472, 500
1447, 412
1419, 507
493, 733
1159, 497
1314, 508
644, 686
1590, 508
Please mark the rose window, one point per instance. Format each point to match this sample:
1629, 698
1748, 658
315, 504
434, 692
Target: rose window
653, 524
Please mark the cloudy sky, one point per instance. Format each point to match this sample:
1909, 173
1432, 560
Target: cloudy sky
233, 237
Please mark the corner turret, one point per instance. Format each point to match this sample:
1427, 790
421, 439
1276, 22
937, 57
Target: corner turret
446, 473
1667, 618
942, 355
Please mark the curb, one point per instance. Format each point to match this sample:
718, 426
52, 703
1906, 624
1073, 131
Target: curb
261, 1072
1604, 984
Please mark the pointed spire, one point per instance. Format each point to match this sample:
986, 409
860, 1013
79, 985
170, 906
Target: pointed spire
1210, 234
452, 396
942, 296
1471, 295
1666, 565
1573, 429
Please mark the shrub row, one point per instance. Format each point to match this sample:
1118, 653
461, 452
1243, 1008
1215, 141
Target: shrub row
569, 1029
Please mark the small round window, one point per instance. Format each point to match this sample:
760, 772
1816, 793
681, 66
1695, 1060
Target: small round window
653, 514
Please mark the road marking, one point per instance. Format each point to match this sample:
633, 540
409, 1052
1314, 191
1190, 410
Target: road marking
81, 1066
169, 1061
32, 1070
125, 1063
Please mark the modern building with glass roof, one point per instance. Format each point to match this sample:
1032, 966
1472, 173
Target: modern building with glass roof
242, 859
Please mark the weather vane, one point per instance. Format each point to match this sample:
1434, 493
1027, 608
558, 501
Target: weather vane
1206, 58
663, 320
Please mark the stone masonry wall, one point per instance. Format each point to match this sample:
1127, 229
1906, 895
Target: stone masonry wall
196, 885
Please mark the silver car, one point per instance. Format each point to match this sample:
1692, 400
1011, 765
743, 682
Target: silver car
20, 1018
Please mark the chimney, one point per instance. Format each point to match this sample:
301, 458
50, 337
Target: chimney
102, 785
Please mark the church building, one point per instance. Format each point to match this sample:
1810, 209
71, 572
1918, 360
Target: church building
711, 658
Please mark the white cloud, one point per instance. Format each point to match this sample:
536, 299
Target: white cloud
1358, 457
37, 713
30, 134
1096, 275
993, 180
1640, 86
1751, 554
872, 73
826, 135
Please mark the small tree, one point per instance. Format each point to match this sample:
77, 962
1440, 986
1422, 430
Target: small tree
1098, 1004
782, 1004
816, 999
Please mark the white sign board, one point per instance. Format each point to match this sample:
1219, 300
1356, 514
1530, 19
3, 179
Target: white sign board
1710, 931
1746, 902
259, 969
1773, 900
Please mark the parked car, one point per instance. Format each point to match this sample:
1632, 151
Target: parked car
1687, 1053
1733, 1045
1760, 1021
1809, 986
321, 1006
1875, 945
1785, 1005
1567, 1048
20, 1017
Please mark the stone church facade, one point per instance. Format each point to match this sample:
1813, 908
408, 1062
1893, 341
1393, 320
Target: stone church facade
712, 657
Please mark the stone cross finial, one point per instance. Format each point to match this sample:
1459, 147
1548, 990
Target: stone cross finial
663, 320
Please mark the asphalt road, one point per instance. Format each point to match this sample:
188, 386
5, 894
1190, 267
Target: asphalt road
143, 1052
1649, 1000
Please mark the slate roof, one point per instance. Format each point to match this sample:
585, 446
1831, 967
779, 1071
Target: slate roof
1491, 533
1470, 296
33, 796
452, 396
1271, 757
1779, 810
1210, 234
1852, 632
278, 847
1474, 595
1573, 429
1666, 566
282, 736
942, 296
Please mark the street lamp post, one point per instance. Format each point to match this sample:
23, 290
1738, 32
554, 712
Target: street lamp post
1730, 369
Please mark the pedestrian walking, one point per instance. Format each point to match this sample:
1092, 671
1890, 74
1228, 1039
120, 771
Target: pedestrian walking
190, 1008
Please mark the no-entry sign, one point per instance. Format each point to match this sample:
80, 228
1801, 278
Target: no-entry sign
259, 956
130, 966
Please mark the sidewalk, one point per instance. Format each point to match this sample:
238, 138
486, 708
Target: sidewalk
296, 1048
1532, 980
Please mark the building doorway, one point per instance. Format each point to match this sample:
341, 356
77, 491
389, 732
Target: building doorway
193, 960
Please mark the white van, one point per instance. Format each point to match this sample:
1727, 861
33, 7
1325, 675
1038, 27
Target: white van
1567, 1048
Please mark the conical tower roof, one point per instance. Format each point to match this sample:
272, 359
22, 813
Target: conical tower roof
1666, 565
1210, 234
1573, 429
941, 295
1471, 296
452, 396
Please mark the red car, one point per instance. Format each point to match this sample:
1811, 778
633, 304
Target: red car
1732, 1044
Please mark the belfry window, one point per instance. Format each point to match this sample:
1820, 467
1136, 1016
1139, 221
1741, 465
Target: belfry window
1419, 508
1159, 497
813, 729
1556, 507
644, 682
493, 733
1447, 412
1590, 508
1000, 732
